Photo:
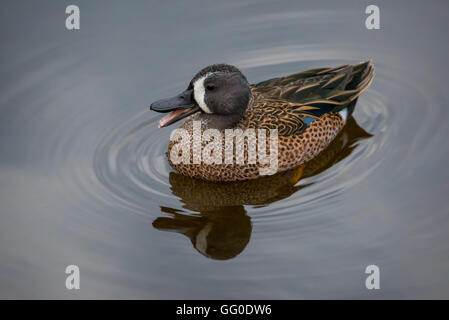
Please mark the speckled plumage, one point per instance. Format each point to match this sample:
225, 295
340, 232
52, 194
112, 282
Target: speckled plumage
303, 107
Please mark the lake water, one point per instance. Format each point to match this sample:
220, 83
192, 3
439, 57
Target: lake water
85, 179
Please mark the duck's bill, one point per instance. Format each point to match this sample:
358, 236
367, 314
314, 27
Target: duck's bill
177, 115
179, 106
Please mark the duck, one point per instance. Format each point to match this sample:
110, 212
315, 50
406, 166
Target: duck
300, 115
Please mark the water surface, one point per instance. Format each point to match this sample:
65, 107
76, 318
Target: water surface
85, 179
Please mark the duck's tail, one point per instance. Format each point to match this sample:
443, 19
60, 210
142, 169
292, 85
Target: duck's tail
340, 88
361, 77
347, 84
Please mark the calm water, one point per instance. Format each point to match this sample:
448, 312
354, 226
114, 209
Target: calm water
85, 180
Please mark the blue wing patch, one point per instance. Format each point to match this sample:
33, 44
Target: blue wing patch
308, 120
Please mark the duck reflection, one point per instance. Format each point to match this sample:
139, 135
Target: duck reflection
221, 228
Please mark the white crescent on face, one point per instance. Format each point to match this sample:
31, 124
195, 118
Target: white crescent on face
201, 239
199, 91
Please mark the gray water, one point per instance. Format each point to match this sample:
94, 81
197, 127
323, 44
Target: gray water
85, 180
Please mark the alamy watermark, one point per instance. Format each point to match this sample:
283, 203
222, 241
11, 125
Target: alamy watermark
72, 22
73, 279
373, 20
188, 148
373, 280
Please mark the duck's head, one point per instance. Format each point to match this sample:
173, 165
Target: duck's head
220, 91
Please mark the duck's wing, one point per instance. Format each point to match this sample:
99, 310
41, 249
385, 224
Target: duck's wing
341, 84
296, 100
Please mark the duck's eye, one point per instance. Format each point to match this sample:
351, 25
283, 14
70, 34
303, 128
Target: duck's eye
210, 86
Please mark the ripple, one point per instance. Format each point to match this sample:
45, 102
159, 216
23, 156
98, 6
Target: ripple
129, 162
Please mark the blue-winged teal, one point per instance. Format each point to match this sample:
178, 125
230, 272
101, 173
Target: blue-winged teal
308, 109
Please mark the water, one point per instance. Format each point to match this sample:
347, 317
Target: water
85, 180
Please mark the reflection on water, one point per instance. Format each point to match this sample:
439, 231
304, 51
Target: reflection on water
220, 233
222, 228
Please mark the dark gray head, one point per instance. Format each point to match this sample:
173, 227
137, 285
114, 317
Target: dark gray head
219, 91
